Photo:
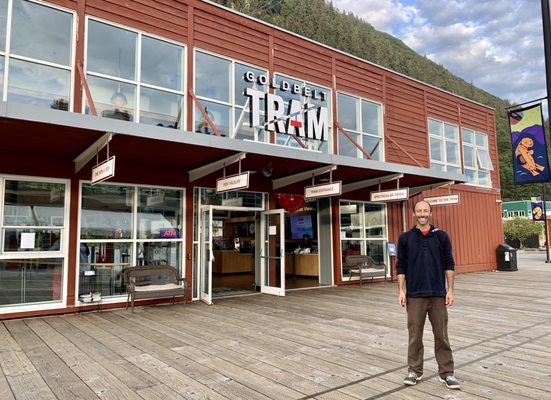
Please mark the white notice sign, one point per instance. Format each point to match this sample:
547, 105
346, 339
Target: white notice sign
390, 195
27, 240
234, 182
325, 190
442, 200
103, 171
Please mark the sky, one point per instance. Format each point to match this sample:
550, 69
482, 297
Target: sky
497, 45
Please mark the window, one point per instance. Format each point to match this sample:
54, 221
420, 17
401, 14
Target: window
444, 146
33, 242
306, 103
39, 57
220, 87
363, 231
362, 120
122, 226
135, 77
476, 157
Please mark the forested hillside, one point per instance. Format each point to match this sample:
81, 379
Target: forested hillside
320, 21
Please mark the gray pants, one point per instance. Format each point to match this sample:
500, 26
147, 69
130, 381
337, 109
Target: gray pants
417, 310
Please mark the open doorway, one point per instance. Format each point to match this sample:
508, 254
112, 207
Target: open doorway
233, 250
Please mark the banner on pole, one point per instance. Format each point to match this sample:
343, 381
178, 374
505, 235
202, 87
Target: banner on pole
530, 159
537, 209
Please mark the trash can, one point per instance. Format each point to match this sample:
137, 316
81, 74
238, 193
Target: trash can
506, 258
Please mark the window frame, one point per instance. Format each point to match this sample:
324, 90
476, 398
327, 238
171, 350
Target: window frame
444, 140
137, 83
7, 54
477, 157
358, 100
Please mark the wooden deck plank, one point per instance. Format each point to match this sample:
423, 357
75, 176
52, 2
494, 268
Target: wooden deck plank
58, 376
332, 343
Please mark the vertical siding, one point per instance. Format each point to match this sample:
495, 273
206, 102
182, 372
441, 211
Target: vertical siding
474, 225
405, 121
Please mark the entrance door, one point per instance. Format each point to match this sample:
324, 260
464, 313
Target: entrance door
207, 255
272, 256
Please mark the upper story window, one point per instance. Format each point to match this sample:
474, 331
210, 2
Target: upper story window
135, 77
220, 86
362, 120
35, 60
476, 157
444, 146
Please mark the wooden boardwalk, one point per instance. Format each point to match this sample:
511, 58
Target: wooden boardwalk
333, 343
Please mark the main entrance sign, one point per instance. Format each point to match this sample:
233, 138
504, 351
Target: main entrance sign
306, 121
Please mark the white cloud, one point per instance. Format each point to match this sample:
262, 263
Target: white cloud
496, 44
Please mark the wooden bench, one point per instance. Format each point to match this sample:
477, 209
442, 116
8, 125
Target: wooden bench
153, 282
364, 267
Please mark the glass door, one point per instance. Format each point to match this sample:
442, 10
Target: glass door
272, 255
207, 255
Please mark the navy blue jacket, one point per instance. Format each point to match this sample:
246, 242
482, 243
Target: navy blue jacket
424, 259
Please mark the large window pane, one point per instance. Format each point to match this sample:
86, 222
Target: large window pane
32, 83
41, 32
159, 213
17, 240
33, 203
212, 77
160, 108
162, 63
218, 113
371, 117
372, 146
346, 147
3, 22
106, 212
112, 99
111, 50
436, 150
452, 152
241, 84
450, 131
347, 112
159, 253
435, 127
25, 281
469, 156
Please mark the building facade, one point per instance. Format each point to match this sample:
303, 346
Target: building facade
253, 160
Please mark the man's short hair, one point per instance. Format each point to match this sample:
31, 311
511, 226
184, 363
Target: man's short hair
422, 201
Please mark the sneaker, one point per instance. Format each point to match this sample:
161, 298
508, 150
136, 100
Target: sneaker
451, 382
412, 379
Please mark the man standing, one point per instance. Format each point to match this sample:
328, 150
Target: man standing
425, 264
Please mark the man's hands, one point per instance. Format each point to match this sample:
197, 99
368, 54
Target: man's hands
449, 298
402, 298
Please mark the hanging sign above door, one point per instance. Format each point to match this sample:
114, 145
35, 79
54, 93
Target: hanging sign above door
103, 171
325, 190
390, 195
442, 200
233, 182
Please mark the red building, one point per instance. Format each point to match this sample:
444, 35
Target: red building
250, 158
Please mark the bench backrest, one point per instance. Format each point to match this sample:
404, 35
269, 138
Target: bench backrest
362, 261
151, 275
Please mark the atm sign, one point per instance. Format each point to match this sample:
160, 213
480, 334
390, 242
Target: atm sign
170, 233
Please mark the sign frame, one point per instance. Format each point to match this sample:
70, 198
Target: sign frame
103, 171
233, 182
443, 200
331, 188
393, 195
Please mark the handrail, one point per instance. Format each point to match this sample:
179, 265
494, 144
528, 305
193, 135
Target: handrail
86, 89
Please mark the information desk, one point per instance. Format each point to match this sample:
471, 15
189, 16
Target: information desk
302, 264
232, 261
